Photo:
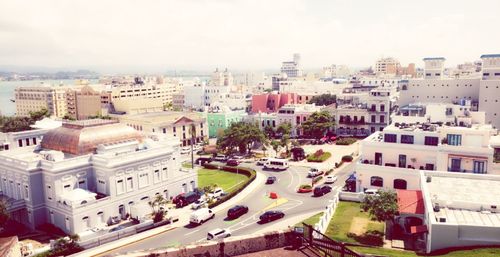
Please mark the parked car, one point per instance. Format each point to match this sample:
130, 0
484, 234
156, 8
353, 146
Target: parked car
187, 199
271, 216
113, 220
330, 179
314, 172
262, 161
203, 160
236, 211
199, 203
220, 158
186, 150
322, 190
218, 233
232, 162
200, 216
117, 228
271, 180
237, 157
216, 194
176, 198
372, 191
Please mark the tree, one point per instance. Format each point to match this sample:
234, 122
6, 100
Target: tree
284, 130
317, 124
240, 135
381, 206
269, 131
158, 202
4, 213
276, 146
38, 115
324, 99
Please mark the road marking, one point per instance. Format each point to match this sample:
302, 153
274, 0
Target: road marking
291, 181
192, 232
277, 203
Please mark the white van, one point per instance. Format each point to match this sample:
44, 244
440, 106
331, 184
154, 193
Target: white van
200, 216
276, 164
218, 233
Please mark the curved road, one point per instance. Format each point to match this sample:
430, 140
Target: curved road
293, 204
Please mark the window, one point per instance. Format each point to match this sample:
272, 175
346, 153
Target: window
20, 142
431, 141
399, 184
27, 141
374, 119
382, 118
406, 139
402, 161
390, 138
130, 184
382, 108
82, 184
454, 139
486, 74
173, 129
120, 187
157, 176
34, 140
479, 167
376, 181
429, 166
143, 180
455, 164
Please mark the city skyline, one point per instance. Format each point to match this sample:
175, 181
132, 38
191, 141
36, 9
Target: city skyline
240, 35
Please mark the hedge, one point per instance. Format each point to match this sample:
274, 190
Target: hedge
319, 156
317, 179
328, 172
346, 158
251, 174
346, 141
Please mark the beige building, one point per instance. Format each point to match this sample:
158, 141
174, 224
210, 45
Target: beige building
176, 124
34, 98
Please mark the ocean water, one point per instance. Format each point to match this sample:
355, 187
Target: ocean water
7, 107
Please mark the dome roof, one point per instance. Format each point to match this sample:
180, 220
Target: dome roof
83, 137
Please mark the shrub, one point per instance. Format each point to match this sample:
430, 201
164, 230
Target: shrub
338, 164
346, 158
317, 179
319, 156
158, 216
328, 172
346, 141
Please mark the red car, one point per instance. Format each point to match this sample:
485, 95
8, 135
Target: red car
176, 198
232, 162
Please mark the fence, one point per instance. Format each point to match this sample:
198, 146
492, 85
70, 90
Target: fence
326, 245
325, 219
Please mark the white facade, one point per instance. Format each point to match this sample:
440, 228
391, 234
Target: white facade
292, 68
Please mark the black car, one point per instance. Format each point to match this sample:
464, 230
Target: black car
322, 190
187, 198
237, 211
203, 160
271, 180
271, 215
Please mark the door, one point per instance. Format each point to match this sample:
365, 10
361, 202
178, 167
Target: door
479, 167
378, 158
455, 164
402, 161
121, 210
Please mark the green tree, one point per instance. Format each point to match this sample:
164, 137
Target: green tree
284, 130
324, 99
158, 202
240, 135
275, 144
4, 214
317, 124
269, 131
381, 206
38, 115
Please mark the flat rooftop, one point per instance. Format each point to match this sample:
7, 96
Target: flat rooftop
161, 117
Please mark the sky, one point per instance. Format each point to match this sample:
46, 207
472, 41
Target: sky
151, 35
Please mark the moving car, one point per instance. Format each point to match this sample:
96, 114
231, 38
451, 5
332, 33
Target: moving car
314, 172
271, 216
276, 164
322, 190
187, 199
271, 180
220, 158
232, 162
262, 161
237, 157
330, 179
216, 194
203, 160
200, 216
199, 203
237, 211
218, 233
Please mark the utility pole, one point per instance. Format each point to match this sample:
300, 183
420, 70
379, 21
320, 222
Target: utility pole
192, 144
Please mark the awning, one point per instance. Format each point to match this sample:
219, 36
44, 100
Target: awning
418, 229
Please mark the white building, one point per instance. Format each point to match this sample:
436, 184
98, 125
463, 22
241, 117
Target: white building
292, 68
336, 71
14, 140
387, 66
87, 172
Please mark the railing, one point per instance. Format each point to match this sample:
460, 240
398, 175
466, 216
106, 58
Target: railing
326, 245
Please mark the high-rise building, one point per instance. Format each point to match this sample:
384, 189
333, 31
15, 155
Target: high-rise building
292, 68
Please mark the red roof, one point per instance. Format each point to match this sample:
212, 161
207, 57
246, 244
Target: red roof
410, 201
418, 229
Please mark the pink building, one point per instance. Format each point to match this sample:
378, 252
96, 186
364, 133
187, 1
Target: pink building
272, 102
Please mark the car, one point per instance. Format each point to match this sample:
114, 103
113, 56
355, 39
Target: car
218, 233
217, 193
371, 191
262, 161
117, 228
203, 160
322, 190
237, 157
220, 158
232, 162
187, 199
330, 179
271, 180
177, 198
186, 150
271, 216
199, 203
314, 172
236, 211
200, 216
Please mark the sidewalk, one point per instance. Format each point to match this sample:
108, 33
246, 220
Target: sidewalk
183, 215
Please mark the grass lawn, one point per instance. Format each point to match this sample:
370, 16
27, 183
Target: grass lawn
187, 165
319, 157
486, 252
311, 220
351, 225
224, 179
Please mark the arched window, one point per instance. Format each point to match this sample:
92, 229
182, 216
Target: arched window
400, 184
376, 181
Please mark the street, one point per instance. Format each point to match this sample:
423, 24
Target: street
290, 202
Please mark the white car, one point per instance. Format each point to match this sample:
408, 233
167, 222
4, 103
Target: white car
201, 215
216, 194
330, 179
262, 161
186, 150
218, 233
314, 172
199, 203
371, 191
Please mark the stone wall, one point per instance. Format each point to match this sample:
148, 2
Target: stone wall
227, 247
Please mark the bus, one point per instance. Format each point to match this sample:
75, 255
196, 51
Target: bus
276, 164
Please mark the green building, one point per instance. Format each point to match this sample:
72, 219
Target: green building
219, 121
